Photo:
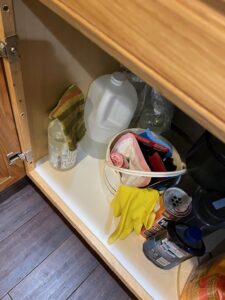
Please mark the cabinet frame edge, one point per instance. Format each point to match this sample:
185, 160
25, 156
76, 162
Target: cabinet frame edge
14, 79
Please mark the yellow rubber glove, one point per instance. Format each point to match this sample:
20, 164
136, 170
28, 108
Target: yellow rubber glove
144, 214
135, 206
120, 206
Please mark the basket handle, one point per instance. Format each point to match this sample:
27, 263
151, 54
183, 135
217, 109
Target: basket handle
148, 174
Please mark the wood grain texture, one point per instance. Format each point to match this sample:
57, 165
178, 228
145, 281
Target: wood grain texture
26, 248
14, 81
18, 209
91, 239
53, 55
7, 19
9, 141
175, 46
99, 286
59, 275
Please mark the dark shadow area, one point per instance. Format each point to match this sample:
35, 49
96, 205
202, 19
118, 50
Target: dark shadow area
217, 5
74, 41
16, 187
41, 95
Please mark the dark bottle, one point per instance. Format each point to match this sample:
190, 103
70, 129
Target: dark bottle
208, 211
206, 163
170, 247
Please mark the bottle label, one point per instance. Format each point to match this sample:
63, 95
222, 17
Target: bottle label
166, 253
162, 261
63, 159
160, 223
172, 248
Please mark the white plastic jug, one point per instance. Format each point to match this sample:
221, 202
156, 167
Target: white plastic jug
110, 106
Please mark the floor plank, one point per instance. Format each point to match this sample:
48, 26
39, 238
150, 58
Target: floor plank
13, 189
99, 286
26, 248
18, 209
59, 275
40, 257
6, 298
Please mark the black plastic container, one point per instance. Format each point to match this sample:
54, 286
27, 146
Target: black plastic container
208, 211
168, 248
206, 163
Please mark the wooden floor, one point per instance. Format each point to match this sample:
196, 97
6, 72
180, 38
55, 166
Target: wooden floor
41, 257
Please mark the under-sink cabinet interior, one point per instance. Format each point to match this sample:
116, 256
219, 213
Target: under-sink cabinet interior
54, 55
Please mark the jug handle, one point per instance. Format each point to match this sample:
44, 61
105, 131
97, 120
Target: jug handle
104, 107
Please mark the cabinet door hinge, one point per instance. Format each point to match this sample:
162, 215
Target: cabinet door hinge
14, 156
8, 49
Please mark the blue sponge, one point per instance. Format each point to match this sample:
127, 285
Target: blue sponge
148, 134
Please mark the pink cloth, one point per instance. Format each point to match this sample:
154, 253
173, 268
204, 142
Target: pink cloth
133, 159
119, 160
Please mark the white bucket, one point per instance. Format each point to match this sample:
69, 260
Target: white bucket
112, 173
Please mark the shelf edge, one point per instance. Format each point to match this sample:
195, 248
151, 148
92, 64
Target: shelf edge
91, 239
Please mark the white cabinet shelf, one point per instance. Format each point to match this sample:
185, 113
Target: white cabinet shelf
82, 195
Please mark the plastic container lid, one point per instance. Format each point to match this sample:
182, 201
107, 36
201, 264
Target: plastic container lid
192, 235
187, 237
177, 201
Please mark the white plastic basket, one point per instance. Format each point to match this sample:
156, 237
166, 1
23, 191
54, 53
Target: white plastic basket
112, 173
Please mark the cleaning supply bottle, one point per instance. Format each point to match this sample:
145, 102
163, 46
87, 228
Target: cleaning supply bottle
60, 156
66, 128
110, 106
170, 247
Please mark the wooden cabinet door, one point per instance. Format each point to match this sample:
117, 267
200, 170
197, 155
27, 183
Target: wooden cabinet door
9, 141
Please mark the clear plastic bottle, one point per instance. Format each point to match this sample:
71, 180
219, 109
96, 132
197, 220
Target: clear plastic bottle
157, 113
60, 157
140, 87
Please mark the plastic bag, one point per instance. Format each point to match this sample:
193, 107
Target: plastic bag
207, 282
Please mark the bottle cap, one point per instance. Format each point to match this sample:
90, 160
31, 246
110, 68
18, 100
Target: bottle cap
193, 235
177, 202
118, 78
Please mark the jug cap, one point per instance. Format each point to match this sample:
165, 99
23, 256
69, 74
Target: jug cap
118, 78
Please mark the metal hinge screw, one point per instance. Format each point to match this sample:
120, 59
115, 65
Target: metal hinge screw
9, 50
5, 7
13, 50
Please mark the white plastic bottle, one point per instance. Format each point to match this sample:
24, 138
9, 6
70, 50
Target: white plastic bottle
110, 106
60, 156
